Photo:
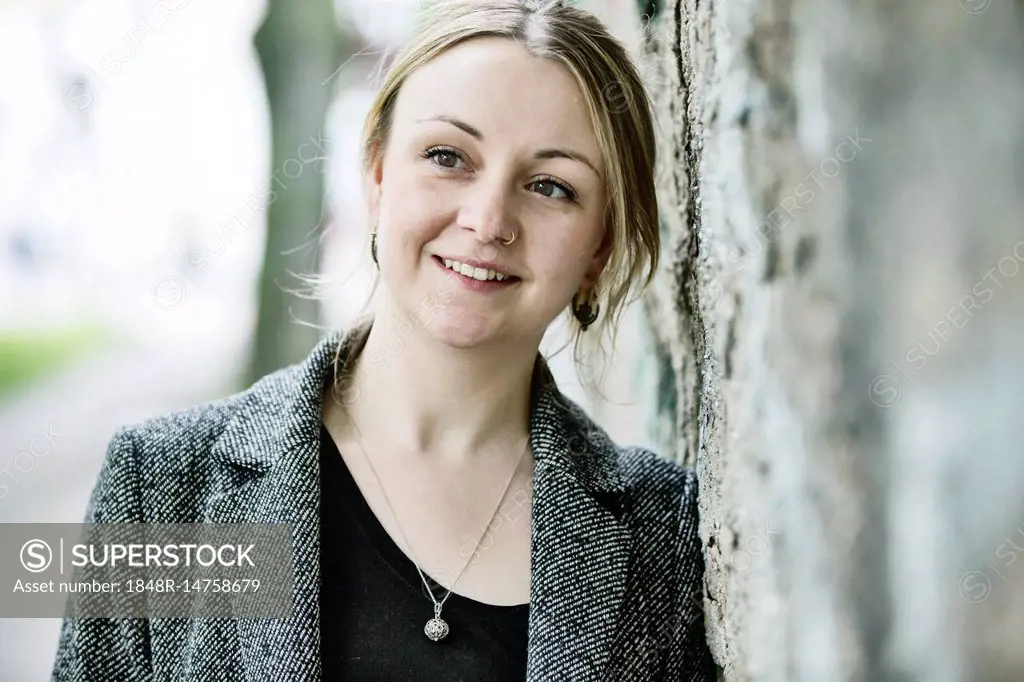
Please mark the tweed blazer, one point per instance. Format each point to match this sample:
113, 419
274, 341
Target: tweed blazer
617, 566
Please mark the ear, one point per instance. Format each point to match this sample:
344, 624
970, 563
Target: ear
373, 182
599, 260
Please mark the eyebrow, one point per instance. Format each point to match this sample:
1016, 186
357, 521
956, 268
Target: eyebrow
542, 154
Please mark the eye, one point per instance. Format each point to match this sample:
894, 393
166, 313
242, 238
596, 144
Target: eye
549, 187
445, 157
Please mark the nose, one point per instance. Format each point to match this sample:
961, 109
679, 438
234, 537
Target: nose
489, 211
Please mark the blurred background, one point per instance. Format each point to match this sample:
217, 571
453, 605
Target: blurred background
832, 339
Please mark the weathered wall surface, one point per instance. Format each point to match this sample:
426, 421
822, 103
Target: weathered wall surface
837, 330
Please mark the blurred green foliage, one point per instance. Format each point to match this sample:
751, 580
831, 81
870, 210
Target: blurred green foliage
29, 355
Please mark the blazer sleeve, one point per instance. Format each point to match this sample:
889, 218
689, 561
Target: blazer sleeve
102, 649
689, 657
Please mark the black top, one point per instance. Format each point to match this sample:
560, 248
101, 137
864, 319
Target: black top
373, 604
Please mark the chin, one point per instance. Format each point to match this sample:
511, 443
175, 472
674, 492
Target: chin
460, 328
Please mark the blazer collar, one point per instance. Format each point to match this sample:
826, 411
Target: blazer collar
289, 403
579, 544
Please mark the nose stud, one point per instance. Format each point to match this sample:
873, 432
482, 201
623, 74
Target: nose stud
506, 243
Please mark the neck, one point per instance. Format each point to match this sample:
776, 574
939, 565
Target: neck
422, 396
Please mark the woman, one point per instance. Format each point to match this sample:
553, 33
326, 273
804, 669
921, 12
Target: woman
455, 516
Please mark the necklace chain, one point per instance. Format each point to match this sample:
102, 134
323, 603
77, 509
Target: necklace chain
437, 605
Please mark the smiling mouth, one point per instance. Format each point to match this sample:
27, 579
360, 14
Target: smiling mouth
471, 272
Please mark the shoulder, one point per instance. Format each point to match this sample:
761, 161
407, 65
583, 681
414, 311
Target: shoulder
649, 482
160, 469
661, 494
205, 422
646, 470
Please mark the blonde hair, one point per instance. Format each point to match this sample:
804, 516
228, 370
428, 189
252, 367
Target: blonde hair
620, 112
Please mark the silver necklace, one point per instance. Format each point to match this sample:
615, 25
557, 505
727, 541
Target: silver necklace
436, 628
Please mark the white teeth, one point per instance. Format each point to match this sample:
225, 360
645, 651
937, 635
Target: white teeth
482, 274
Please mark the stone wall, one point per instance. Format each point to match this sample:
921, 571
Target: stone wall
835, 335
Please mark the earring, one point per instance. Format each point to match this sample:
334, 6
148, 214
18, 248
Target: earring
584, 312
373, 246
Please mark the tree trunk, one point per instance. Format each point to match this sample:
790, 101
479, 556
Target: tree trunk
835, 324
299, 47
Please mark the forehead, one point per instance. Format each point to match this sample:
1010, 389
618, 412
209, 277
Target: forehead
495, 85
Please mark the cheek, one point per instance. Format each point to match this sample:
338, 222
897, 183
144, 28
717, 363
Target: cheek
559, 260
565, 249
413, 204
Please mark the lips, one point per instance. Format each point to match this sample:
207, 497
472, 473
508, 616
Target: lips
474, 284
474, 271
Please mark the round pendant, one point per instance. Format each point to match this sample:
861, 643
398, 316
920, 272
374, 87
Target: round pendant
436, 629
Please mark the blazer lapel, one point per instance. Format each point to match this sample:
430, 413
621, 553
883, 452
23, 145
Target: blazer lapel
580, 548
272, 475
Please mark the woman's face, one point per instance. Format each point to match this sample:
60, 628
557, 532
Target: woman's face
487, 141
